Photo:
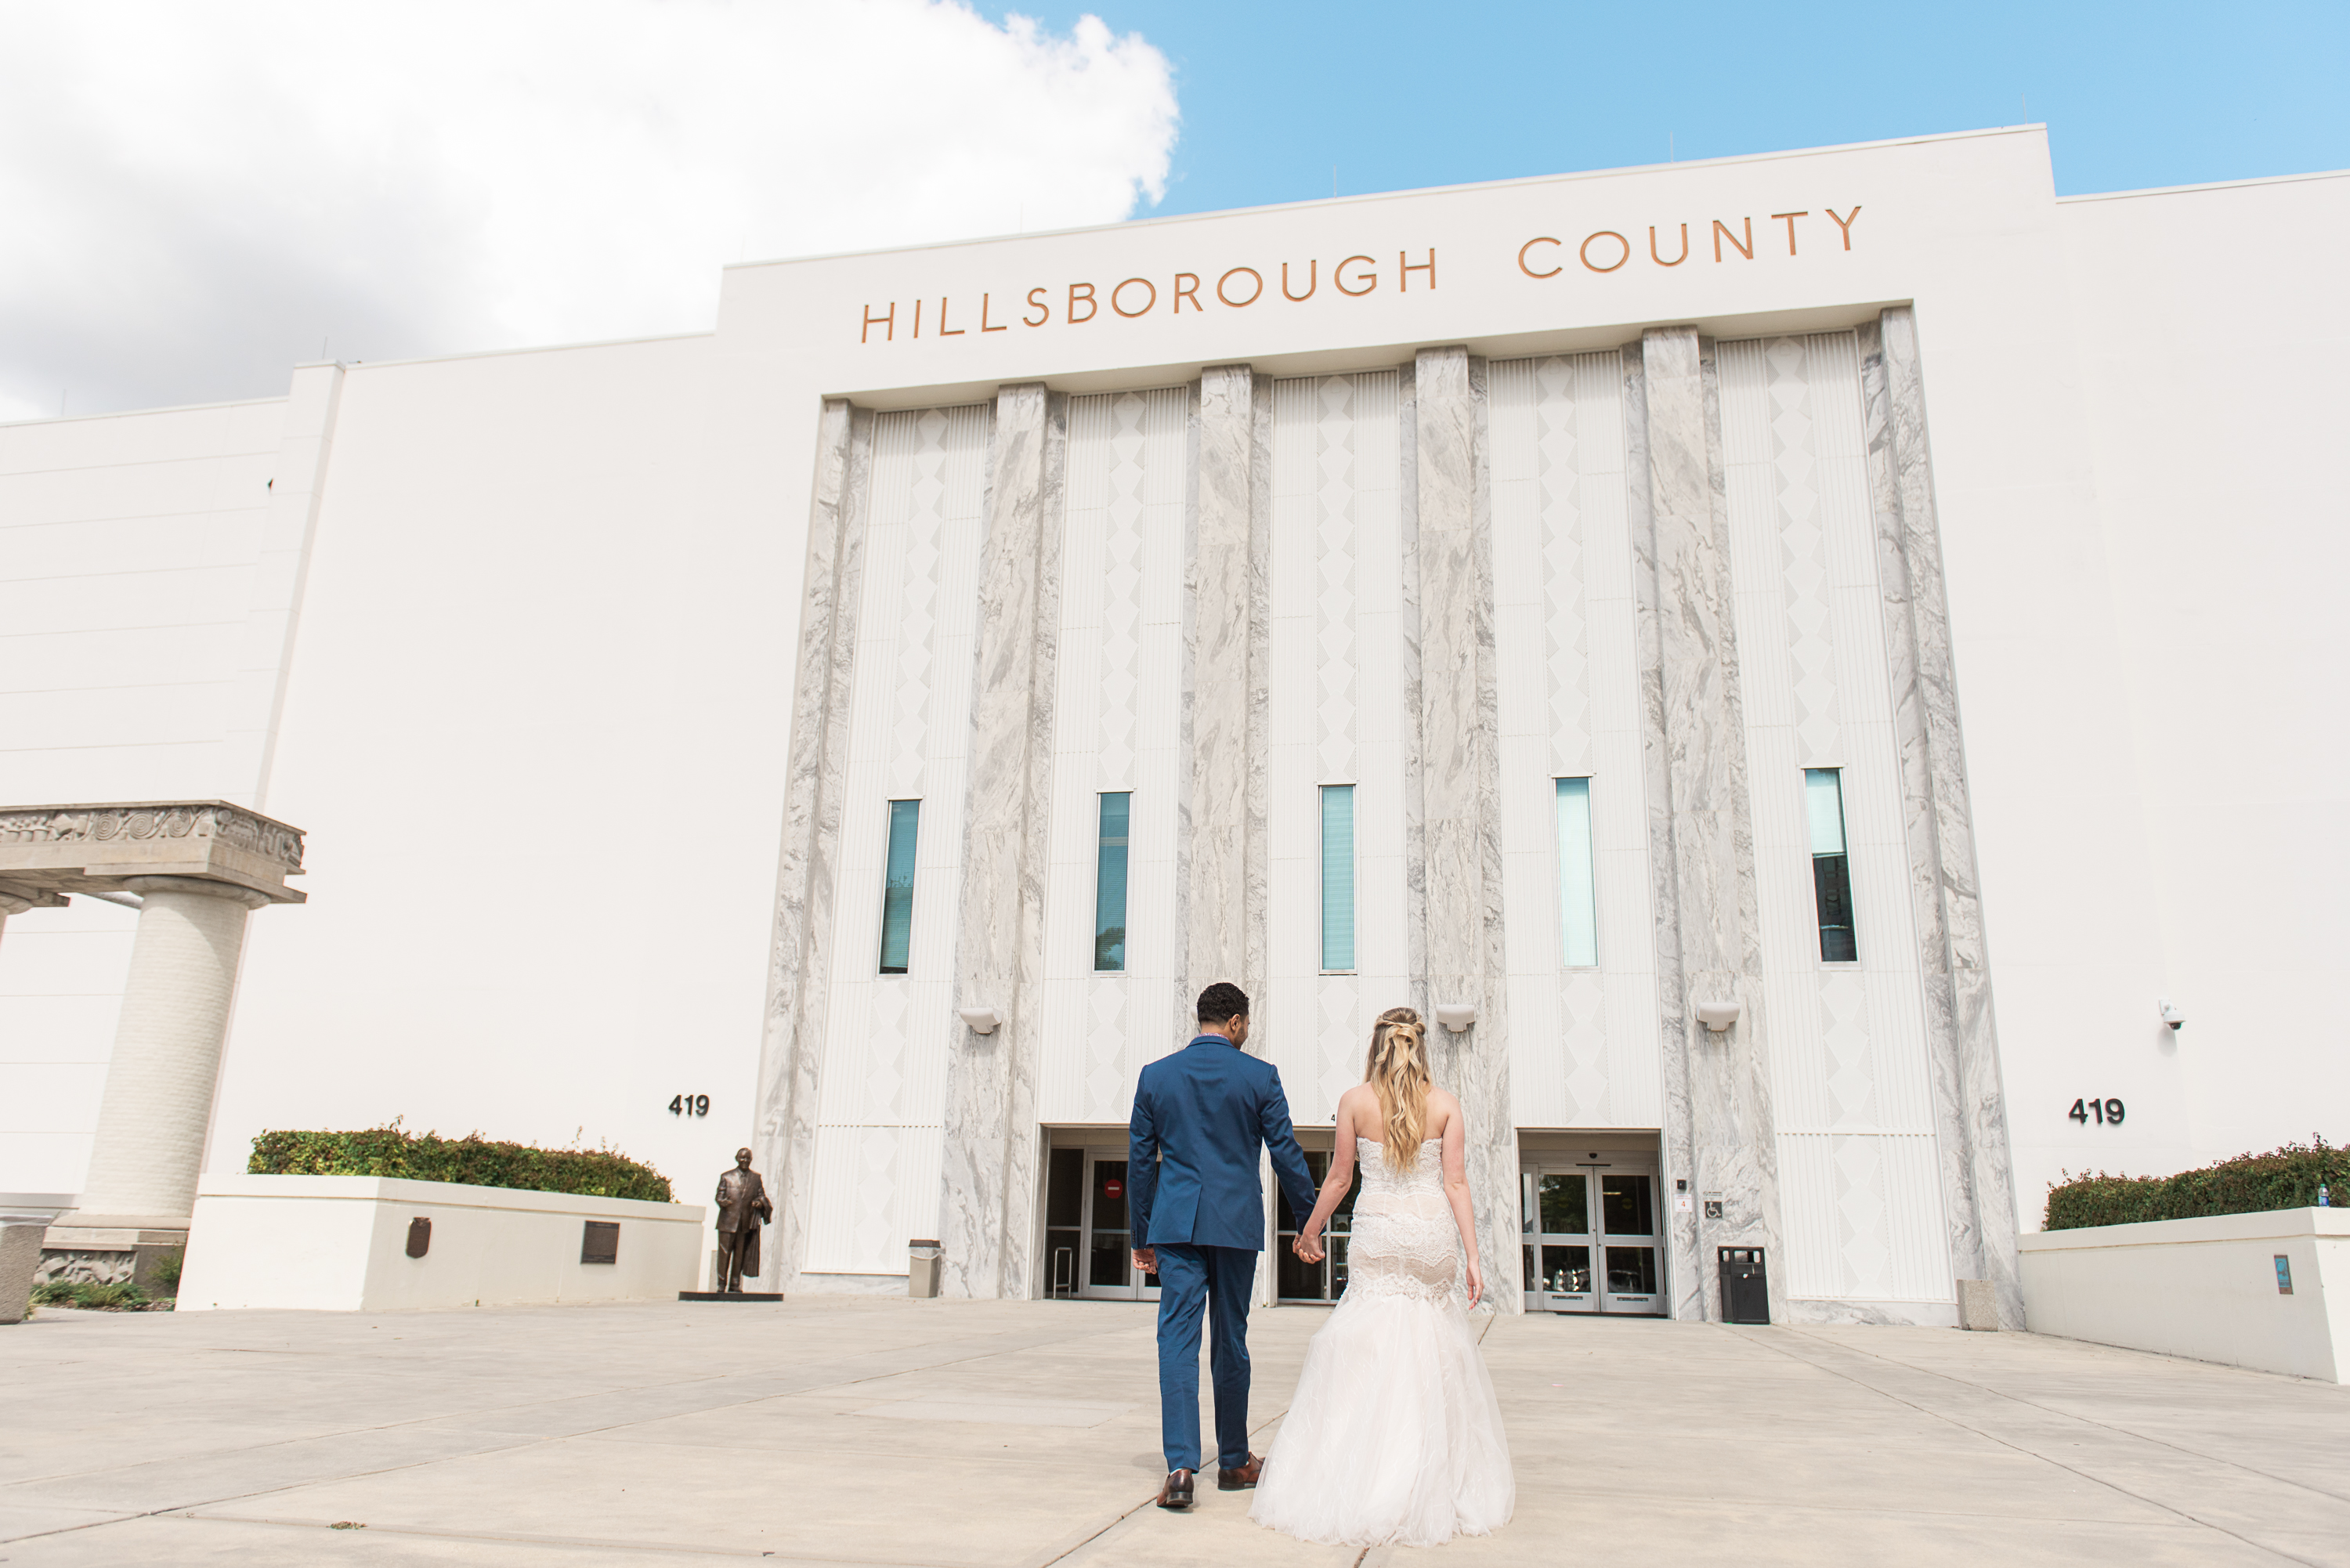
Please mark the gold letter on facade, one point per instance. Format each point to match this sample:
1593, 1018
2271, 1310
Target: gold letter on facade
1844, 223
1313, 281
1146, 303
1791, 218
1722, 231
889, 323
1370, 280
1537, 240
1254, 277
1045, 310
1404, 280
1091, 308
1605, 235
1658, 258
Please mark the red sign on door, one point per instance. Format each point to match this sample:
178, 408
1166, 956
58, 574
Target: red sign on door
1113, 1187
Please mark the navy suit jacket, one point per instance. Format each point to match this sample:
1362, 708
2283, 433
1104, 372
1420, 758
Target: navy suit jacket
1208, 1107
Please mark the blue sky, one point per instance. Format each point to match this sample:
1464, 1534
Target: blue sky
1274, 94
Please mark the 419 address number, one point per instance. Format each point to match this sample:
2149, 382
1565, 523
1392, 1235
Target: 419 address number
2108, 1113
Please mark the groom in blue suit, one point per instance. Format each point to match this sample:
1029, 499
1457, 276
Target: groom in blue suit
1199, 1224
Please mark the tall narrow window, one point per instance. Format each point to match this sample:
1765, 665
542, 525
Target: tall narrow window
1831, 867
1110, 883
1578, 917
897, 886
1337, 878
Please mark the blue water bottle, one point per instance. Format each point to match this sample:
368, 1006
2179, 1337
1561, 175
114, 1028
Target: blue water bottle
2324, 1199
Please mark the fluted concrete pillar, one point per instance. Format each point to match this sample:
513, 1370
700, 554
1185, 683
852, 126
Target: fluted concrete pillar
1717, 1132
1459, 824
987, 1212
167, 1052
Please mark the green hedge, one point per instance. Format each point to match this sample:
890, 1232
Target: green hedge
2285, 1177
471, 1159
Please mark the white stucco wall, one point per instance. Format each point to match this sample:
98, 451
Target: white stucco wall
2203, 1288
536, 732
129, 546
2213, 325
339, 1243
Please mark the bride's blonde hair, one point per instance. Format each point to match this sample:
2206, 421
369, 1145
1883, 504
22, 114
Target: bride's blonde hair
1396, 1071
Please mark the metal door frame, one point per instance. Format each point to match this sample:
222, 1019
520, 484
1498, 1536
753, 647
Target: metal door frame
1639, 1303
1597, 1300
1135, 1290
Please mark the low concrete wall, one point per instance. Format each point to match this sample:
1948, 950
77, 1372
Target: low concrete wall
339, 1243
2202, 1288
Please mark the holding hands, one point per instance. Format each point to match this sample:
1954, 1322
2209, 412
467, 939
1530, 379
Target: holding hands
1308, 1245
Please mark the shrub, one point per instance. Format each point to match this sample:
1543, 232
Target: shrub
2285, 1177
166, 1272
472, 1159
122, 1297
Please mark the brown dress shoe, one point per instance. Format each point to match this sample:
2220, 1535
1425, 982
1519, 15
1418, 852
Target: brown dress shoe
1176, 1493
1239, 1478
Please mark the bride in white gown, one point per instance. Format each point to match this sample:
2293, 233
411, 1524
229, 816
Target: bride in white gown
1394, 1436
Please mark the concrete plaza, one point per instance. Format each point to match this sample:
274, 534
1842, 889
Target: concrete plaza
1016, 1435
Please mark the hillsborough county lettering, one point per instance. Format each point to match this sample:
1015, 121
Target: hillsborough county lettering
1543, 257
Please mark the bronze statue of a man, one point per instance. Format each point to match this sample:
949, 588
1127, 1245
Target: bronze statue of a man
742, 1208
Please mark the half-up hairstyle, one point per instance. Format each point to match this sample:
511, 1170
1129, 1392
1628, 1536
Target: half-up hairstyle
1396, 1071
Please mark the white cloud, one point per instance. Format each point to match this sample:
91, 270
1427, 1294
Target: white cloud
192, 197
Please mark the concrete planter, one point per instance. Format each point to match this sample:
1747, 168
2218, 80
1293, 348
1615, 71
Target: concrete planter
343, 1243
2203, 1288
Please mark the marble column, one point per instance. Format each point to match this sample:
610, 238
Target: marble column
1937, 821
1458, 858
988, 1210
157, 1110
1718, 1130
1224, 821
791, 1053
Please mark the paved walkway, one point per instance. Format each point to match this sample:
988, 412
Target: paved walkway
1016, 1435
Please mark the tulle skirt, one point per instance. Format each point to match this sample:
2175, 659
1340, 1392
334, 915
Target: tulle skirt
1394, 1437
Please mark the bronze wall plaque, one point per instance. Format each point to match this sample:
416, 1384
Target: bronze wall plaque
419, 1236
599, 1242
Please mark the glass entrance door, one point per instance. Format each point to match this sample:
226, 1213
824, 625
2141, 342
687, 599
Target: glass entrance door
1557, 1247
1324, 1280
1589, 1230
1088, 1240
1627, 1221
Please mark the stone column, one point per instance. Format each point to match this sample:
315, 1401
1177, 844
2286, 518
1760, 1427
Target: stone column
1223, 824
799, 965
1718, 1132
1937, 817
988, 1215
167, 1051
1459, 854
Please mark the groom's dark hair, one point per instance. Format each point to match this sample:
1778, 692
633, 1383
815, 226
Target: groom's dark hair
1223, 1002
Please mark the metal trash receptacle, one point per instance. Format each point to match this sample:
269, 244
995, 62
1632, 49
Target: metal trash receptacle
1745, 1288
921, 1268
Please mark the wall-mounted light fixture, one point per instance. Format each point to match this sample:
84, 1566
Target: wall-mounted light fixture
1457, 1016
2170, 1013
1717, 1016
983, 1019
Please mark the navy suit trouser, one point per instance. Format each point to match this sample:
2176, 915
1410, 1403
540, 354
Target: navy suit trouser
1191, 1280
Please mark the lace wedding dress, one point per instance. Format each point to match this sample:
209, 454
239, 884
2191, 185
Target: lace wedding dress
1394, 1436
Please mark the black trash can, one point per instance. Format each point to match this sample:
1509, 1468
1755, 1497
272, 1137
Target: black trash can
1745, 1291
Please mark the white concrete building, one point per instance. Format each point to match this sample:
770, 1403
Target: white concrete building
1853, 584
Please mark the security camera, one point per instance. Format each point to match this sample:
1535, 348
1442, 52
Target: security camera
2172, 1015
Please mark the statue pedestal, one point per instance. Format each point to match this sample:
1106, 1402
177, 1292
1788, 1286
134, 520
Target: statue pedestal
730, 1295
